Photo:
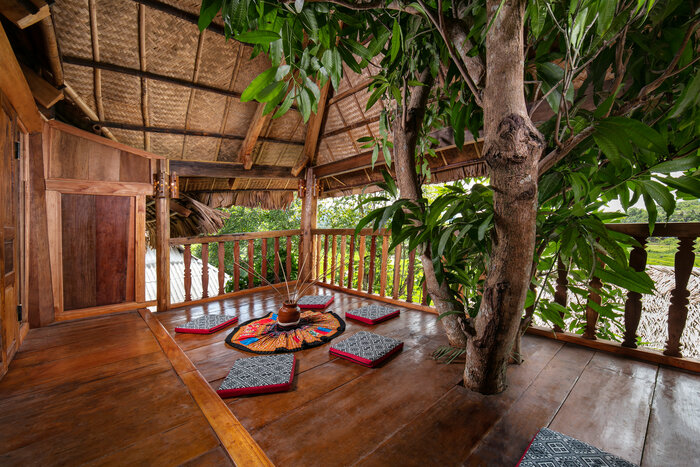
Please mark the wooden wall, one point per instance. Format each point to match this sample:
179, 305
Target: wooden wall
96, 207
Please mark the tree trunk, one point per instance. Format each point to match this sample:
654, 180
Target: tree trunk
512, 150
405, 133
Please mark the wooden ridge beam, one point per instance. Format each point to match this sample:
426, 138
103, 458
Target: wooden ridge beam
24, 13
313, 131
147, 74
228, 170
245, 154
182, 131
350, 92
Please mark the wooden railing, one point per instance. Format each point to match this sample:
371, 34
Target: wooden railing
278, 260
362, 264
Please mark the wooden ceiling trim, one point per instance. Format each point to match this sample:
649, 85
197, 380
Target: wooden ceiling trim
245, 153
44, 93
146, 74
87, 110
313, 130
195, 77
228, 170
24, 13
145, 110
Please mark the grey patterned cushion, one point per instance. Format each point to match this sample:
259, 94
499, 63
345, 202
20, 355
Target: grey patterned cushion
315, 301
207, 324
372, 314
255, 375
553, 449
366, 348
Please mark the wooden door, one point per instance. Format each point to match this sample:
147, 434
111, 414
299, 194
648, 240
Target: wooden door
9, 238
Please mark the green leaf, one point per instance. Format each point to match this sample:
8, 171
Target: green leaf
375, 155
258, 37
304, 104
677, 165
687, 184
483, 226
689, 97
615, 278
258, 84
395, 40
606, 13
660, 194
358, 49
387, 155
286, 105
207, 12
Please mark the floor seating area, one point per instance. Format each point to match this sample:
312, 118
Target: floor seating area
115, 383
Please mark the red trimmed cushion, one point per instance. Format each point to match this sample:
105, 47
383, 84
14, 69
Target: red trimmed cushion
372, 314
366, 348
315, 301
207, 324
259, 375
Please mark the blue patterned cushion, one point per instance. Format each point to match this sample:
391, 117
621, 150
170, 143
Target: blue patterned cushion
553, 449
266, 373
366, 348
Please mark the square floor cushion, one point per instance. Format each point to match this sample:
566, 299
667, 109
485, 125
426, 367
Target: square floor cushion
372, 314
315, 301
207, 324
552, 449
366, 348
259, 375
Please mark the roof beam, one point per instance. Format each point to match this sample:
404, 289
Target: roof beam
24, 13
228, 170
43, 92
182, 131
15, 87
146, 74
313, 131
350, 92
352, 126
245, 154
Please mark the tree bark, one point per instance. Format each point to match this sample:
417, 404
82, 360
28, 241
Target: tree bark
405, 133
512, 150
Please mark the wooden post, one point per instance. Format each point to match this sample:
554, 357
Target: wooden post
205, 270
409, 277
633, 305
308, 223
341, 272
361, 264
188, 272
251, 260
220, 249
351, 261
678, 311
162, 236
263, 266
333, 254
383, 267
372, 255
276, 261
236, 265
397, 272
561, 292
325, 258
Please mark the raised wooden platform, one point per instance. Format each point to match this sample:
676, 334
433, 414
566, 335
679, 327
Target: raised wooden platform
102, 391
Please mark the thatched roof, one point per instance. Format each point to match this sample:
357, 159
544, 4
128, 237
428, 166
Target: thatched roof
142, 73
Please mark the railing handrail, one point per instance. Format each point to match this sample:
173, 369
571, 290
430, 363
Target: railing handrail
669, 229
233, 237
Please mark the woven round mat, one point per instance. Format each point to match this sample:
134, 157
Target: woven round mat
262, 336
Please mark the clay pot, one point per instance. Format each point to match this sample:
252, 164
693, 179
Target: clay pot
288, 315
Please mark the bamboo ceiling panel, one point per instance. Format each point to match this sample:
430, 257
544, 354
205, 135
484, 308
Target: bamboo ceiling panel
121, 98
200, 148
171, 45
118, 31
228, 150
129, 137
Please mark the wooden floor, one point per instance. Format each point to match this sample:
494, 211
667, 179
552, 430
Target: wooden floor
412, 411
101, 391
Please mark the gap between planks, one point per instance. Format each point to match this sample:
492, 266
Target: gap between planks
239, 444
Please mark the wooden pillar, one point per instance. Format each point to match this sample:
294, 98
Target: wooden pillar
308, 223
163, 236
678, 311
633, 305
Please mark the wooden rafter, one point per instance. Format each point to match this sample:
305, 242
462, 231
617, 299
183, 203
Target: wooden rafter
44, 93
313, 131
228, 170
87, 110
24, 13
245, 153
349, 92
145, 115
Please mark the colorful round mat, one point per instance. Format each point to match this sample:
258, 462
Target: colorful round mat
261, 335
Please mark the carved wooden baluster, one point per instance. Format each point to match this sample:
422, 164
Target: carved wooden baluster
263, 267
633, 305
333, 254
325, 258
276, 262
351, 261
188, 273
300, 250
251, 261
397, 272
361, 264
220, 250
382, 269
317, 273
341, 272
409, 278
205, 270
678, 310
289, 258
372, 255
236, 265
591, 314
561, 292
